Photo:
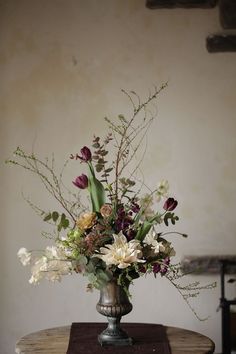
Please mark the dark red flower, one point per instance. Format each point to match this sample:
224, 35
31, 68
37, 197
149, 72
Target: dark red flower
156, 268
163, 270
135, 207
81, 181
142, 269
167, 261
170, 204
130, 234
86, 154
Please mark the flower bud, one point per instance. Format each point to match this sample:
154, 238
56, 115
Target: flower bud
85, 154
106, 210
170, 204
81, 181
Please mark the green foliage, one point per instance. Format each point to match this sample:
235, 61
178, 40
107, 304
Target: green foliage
99, 153
97, 273
170, 216
96, 190
62, 221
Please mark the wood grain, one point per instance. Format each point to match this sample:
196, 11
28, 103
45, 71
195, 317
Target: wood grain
55, 341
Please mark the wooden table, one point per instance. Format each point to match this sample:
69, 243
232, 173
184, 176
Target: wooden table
55, 341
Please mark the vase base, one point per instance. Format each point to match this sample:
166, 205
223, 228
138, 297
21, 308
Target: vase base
105, 340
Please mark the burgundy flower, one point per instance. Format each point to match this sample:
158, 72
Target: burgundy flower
123, 220
130, 234
167, 261
170, 204
156, 268
142, 269
81, 181
86, 154
135, 207
163, 270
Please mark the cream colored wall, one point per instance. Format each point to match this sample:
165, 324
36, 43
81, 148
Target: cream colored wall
62, 65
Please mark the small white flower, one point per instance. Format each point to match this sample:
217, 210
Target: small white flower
38, 269
24, 256
162, 190
53, 276
50, 269
57, 252
121, 252
151, 240
34, 279
52, 252
146, 204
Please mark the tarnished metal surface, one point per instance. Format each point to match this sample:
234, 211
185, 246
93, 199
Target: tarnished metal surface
114, 303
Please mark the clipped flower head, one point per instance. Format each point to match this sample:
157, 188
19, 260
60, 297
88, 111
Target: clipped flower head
170, 204
86, 154
24, 256
121, 252
106, 210
151, 240
162, 189
81, 181
86, 221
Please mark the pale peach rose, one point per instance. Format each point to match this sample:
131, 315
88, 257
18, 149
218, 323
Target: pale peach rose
106, 210
86, 221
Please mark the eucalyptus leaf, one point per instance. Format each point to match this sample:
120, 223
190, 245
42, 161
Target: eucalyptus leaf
96, 190
65, 223
55, 216
47, 217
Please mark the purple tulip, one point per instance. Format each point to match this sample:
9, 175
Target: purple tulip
170, 204
85, 154
81, 181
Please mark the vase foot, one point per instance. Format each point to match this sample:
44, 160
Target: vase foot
105, 340
114, 334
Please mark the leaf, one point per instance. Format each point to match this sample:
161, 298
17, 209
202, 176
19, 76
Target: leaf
108, 170
99, 167
55, 216
101, 161
63, 217
167, 217
122, 118
48, 217
96, 145
65, 223
96, 190
103, 152
144, 229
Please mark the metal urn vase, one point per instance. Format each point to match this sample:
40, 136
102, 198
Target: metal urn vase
114, 303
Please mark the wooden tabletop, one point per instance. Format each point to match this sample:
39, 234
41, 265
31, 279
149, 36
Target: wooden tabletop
55, 341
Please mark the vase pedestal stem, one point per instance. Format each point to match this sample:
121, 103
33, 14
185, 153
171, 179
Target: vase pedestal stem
114, 303
113, 334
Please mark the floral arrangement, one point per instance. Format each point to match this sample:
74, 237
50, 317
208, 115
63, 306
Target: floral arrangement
119, 233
